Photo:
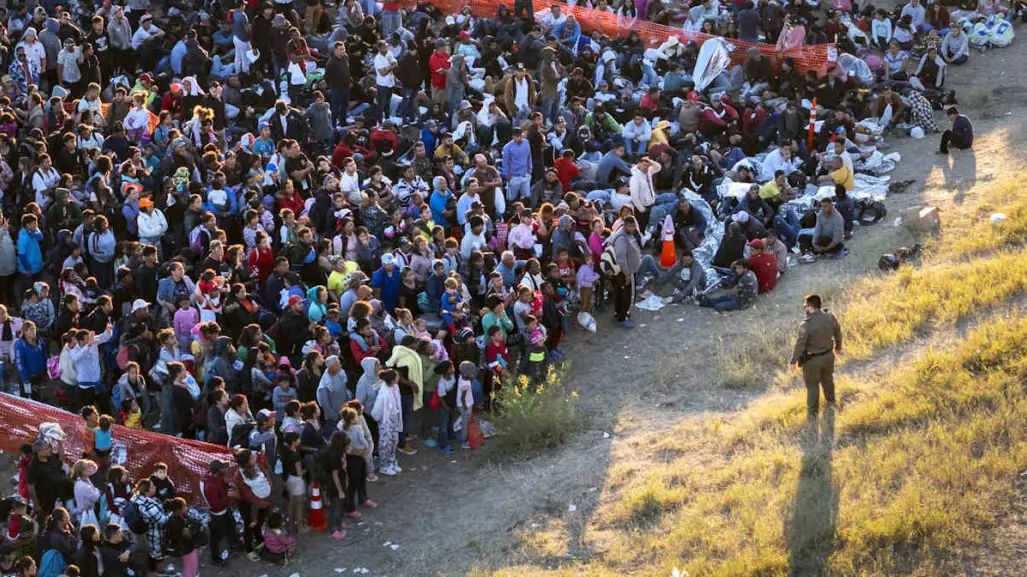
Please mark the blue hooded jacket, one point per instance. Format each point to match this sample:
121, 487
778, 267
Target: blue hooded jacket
30, 255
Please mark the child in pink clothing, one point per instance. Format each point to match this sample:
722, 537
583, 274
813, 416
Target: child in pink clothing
278, 545
186, 317
597, 238
587, 279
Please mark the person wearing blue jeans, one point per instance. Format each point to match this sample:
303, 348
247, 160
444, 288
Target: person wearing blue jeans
391, 22
407, 108
786, 225
746, 289
340, 105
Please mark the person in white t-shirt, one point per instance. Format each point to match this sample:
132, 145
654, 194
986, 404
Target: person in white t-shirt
384, 65
349, 182
34, 49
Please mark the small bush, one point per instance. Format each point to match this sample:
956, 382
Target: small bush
533, 418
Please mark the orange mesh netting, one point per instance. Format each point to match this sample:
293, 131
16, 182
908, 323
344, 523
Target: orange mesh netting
613, 26
187, 460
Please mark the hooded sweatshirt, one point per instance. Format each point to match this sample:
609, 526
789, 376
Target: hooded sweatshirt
224, 364
315, 310
332, 393
627, 250
367, 393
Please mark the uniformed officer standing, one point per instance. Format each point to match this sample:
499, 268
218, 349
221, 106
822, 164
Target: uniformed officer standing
820, 337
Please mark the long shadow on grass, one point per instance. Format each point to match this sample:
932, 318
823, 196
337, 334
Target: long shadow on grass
811, 528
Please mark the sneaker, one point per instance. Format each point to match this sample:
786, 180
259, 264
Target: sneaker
371, 504
627, 324
447, 449
372, 478
253, 556
396, 467
337, 535
407, 450
388, 471
465, 446
645, 294
430, 443
411, 436
807, 258
354, 514
795, 249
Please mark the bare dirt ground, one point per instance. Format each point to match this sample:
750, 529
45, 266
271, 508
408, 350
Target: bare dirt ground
452, 513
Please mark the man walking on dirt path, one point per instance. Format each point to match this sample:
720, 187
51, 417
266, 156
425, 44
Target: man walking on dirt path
820, 337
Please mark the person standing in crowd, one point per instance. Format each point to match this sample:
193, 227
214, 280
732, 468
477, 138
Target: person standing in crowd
819, 340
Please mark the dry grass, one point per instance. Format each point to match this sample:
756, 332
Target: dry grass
905, 480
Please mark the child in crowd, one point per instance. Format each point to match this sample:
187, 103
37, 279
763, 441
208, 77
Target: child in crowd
130, 415
102, 438
279, 546
186, 317
388, 413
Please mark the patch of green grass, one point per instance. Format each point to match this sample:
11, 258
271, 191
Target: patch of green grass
533, 418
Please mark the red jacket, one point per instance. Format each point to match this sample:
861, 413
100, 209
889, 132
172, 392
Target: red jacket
246, 493
764, 266
358, 351
566, 171
294, 203
438, 61
215, 490
752, 119
713, 123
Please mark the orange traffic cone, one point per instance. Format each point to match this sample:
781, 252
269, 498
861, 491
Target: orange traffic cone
667, 256
316, 520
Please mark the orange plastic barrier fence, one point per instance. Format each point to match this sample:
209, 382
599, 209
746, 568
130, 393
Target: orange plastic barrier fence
187, 460
613, 26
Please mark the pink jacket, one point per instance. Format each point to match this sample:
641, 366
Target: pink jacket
278, 542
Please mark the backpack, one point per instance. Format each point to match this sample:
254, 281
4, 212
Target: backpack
241, 435
53, 367
196, 239
122, 358
52, 564
871, 211
133, 518
608, 261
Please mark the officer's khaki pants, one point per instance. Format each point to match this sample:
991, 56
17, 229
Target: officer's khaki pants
819, 372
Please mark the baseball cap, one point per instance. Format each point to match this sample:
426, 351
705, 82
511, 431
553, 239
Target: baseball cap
332, 361
218, 465
757, 243
145, 202
740, 216
139, 304
387, 258
295, 299
693, 96
265, 415
262, 126
440, 43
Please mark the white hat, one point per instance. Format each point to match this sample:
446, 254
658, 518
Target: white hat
740, 216
332, 361
387, 258
139, 304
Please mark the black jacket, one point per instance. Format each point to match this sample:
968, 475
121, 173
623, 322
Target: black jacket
337, 73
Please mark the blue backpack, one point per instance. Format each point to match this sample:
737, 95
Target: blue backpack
52, 564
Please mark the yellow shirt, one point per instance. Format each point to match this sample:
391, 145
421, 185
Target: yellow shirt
844, 176
134, 420
769, 190
339, 282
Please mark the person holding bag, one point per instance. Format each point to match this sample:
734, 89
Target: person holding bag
86, 494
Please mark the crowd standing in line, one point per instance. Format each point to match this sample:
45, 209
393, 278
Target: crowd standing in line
330, 235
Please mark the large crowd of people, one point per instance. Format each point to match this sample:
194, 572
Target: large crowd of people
331, 235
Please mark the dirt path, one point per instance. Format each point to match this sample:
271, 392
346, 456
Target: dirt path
448, 513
